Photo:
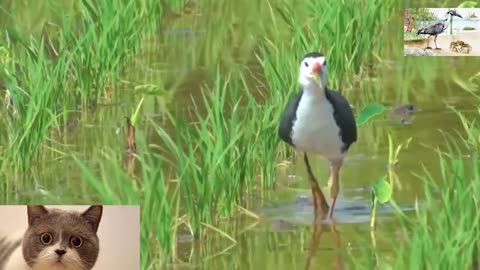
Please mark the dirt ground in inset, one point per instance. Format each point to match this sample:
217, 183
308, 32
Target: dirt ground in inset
443, 42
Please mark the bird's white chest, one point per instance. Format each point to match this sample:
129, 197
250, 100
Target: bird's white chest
315, 129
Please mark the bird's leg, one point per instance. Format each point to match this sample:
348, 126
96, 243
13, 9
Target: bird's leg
319, 200
335, 166
428, 43
435, 40
316, 235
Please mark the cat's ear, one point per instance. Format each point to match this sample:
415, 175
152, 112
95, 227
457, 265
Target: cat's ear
93, 215
35, 211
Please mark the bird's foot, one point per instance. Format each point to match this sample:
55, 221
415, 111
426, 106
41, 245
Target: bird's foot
438, 48
426, 48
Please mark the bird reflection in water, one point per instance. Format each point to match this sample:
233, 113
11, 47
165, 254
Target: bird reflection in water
318, 229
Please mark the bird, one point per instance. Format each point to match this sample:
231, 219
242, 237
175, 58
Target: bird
437, 28
319, 120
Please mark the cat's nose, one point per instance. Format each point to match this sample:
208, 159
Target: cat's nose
60, 252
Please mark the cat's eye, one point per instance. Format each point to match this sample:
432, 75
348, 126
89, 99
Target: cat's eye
46, 238
76, 241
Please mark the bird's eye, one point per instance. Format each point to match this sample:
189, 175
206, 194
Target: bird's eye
325, 63
306, 64
76, 241
46, 238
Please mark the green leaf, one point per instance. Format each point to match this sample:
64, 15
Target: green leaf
382, 190
137, 111
369, 112
467, 4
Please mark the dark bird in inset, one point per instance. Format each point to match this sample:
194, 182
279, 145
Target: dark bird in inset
319, 121
437, 28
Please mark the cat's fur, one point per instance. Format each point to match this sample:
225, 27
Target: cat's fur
30, 253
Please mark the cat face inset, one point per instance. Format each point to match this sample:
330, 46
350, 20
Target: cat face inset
61, 240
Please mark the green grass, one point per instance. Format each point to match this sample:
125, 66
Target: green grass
412, 36
444, 230
219, 164
432, 238
48, 80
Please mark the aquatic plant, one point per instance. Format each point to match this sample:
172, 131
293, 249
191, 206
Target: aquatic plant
448, 218
369, 112
49, 75
382, 189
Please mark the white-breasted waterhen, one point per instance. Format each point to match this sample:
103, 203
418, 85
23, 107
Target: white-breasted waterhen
319, 121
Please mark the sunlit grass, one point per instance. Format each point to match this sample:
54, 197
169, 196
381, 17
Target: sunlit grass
218, 162
448, 221
412, 36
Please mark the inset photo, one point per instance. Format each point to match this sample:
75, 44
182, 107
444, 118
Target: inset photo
441, 32
73, 237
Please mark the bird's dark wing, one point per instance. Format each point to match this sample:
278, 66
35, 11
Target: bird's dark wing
344, 117
439, 27
433, 29
288, 118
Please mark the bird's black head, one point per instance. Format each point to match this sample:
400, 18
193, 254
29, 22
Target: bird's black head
312, 55
453, 12
313, 70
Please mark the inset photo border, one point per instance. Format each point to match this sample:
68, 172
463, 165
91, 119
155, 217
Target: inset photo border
70, 237
441, 32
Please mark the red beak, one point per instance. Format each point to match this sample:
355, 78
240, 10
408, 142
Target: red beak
317, 68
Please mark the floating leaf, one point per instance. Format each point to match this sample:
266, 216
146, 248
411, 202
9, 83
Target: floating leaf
467, 4
137, 111
369, 112
382, 190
